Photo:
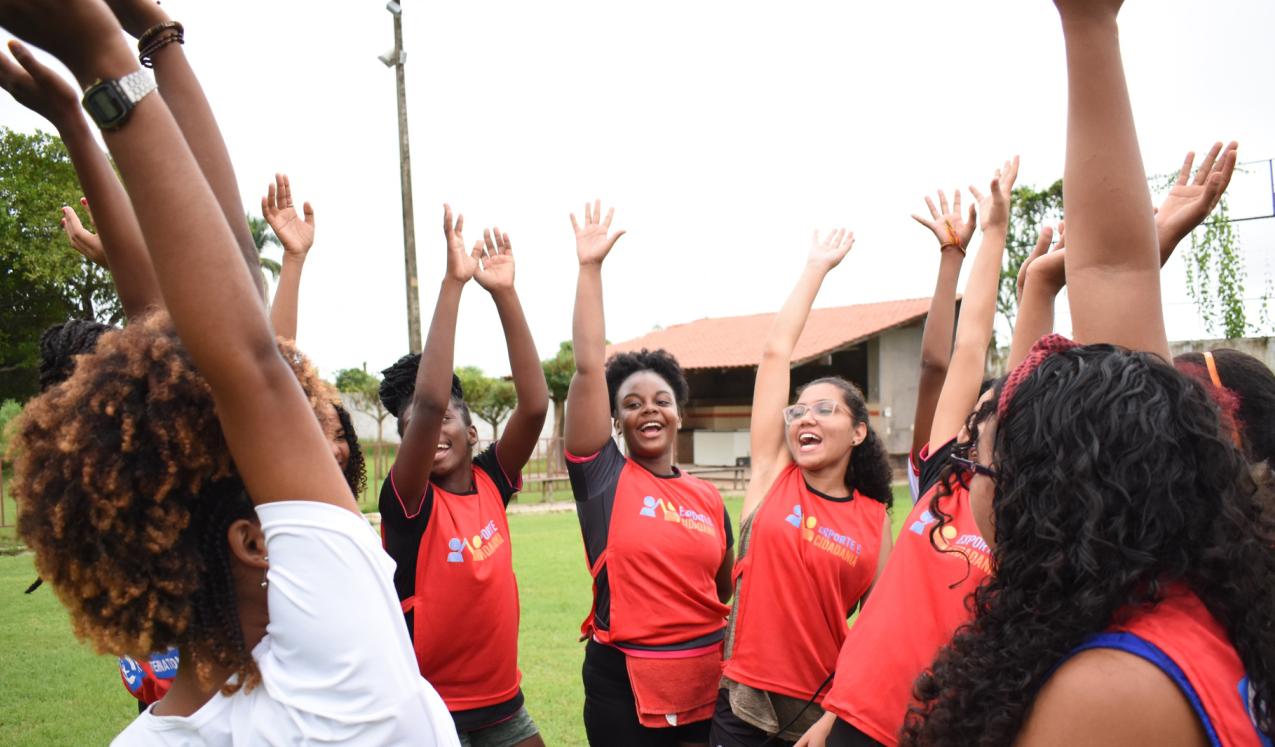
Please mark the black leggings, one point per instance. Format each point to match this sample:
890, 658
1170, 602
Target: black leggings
610, 715
845, 735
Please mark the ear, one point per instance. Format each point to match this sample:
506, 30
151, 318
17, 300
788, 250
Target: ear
247, 543
860, 433
471, 435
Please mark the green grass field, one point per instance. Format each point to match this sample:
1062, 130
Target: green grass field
55, 691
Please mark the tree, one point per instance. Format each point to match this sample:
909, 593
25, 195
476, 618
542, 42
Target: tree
263, 236
364, 390
558, 372
1030, 210
43, 281
491, 400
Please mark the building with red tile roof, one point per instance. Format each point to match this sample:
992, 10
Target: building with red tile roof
875, 345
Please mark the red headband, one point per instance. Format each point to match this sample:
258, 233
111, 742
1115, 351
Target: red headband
1044, 347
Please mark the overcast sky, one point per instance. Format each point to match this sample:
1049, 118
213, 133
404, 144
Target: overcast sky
722, 132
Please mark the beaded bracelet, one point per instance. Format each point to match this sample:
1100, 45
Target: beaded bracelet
147, 57
149, 35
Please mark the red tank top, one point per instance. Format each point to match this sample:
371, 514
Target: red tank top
912, 613
1198, 651
809, 562
665, 544
466, 601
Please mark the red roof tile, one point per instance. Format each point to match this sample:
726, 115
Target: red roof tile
737, 341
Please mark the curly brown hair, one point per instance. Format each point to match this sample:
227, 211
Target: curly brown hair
125, 491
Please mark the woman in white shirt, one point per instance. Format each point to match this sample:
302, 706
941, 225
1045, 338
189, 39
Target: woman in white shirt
178, 490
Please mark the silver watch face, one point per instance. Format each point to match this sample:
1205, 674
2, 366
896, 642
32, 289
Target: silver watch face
107, 104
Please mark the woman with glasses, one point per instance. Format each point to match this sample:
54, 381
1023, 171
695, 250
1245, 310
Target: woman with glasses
814, 538
921, 594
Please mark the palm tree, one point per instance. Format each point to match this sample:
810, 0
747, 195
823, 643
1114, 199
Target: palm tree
262, 237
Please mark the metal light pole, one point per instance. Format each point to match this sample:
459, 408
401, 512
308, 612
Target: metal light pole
396, 58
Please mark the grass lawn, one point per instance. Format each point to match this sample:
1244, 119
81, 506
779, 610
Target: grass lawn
54, 691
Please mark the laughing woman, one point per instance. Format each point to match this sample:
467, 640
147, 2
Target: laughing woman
658, 541
815, 531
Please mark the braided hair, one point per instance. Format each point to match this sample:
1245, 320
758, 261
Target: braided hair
398, 386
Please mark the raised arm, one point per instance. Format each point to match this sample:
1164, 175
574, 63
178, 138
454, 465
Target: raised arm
415, 458
1190, 200
978, 310
1113, 263
205, 285
297, 236
190, 109
953, 232
768, 444
122, 250
588, 423
496, 275
1040, 278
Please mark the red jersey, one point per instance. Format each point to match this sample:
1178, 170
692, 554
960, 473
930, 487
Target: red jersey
809, 562
654, 546
1182, 638
464, 607
914, 610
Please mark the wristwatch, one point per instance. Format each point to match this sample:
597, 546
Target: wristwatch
109, 102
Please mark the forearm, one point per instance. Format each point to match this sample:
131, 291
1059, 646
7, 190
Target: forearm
936, 345
1035, 319
434, 375
1105, 193
524, 359
791, 319
185, 98
117, 226
588, 323
978, 307
287, 297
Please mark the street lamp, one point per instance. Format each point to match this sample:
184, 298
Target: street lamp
397, 58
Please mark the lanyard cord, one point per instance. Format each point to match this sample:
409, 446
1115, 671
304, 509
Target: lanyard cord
771, 739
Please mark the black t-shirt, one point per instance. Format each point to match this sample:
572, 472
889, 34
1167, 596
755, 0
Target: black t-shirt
401, 534
593, 483
932, 466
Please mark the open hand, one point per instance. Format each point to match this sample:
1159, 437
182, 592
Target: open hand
87, 243
828, 253
993, 208
593, 243
461, 265
949, 226
37, 87
1190, 201
495, 255
296, 235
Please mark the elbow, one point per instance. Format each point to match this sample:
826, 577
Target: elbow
776, 354
933, 365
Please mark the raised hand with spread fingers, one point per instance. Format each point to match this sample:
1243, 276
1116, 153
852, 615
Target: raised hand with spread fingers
952, 229
297, 236
593, 242
1191, 200
495, 255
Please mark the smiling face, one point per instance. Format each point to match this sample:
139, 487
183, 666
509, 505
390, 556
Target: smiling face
456, 440
647, 415
819, 437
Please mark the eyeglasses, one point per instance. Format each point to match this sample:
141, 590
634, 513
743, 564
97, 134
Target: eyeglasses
824, 408
972, 466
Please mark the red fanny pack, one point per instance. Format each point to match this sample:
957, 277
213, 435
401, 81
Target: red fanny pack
673, 691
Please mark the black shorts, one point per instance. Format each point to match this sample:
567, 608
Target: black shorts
845, 735
730, 730
610, 715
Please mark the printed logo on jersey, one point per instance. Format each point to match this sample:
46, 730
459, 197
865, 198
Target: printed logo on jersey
481, 546
132, 673
659, 508
1249, 696
825, 538
164, 665
949, 539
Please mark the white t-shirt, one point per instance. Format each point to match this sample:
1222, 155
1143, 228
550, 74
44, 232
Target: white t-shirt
336, 663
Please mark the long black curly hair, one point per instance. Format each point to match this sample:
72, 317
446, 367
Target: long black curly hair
355, 466
1114, 481
869, 471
